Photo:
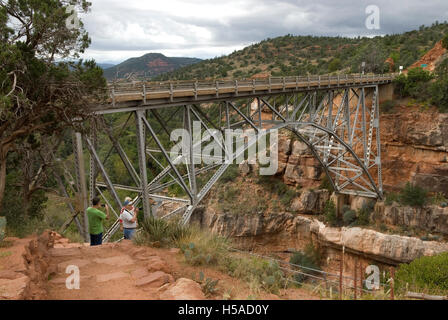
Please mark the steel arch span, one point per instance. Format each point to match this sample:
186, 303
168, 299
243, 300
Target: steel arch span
337, 119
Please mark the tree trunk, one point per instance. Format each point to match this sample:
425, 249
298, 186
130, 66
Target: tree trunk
2, 179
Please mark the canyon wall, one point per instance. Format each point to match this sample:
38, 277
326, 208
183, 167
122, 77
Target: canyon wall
279, 231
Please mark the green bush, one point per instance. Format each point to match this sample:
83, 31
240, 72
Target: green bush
426, 274
310, 258
364, 216
259, 272
330, 214
167, 233
326, 184
388, 106
230, 174
445, 41
349, 217
414, 196
391, 198
415, 84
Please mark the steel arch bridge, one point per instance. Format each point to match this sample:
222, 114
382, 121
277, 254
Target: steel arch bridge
337, 117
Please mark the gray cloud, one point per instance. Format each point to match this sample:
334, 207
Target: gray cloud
199, 28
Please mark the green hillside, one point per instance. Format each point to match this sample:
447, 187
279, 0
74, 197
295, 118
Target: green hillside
149, 65
298, 55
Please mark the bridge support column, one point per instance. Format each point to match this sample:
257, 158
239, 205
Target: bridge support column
339, 200
81, 182
141, 148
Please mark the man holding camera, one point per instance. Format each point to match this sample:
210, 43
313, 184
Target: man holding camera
96, 218
128, 216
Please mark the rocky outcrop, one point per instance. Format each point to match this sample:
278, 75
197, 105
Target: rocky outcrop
383, 247
431, 218
183, 289
415, 148
311, 202
297, 231
37, 260
297, 165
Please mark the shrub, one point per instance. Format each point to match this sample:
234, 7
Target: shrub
391, 198
414, 84
167, 233
426, 274
326, 184
330, 213
388, 106
230, 174
414, 196
309, 259
349, 217
364, 216
445, 41
259, 272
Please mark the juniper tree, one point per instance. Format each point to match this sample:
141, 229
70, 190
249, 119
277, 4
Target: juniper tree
40, 96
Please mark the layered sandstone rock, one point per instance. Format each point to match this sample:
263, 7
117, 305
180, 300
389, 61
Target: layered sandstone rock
300, 230
430, 218
389, 248
415, 149
311, 202
301, 168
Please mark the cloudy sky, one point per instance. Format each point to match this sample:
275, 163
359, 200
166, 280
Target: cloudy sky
121, 29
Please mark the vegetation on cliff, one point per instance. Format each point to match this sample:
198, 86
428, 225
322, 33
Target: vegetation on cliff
300, 55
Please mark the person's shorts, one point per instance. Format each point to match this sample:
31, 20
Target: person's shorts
96, 239
128, 233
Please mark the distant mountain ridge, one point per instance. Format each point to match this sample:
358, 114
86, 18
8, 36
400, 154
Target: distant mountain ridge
148, 65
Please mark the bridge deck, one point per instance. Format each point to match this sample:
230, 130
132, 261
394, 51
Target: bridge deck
150, 93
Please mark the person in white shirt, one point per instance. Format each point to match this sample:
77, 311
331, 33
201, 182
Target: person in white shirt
129, 218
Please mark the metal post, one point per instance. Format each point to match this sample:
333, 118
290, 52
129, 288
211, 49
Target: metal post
356, 278
192, 170
378, 143
93, 137
141, 148
81, 181
341, 272
392, 284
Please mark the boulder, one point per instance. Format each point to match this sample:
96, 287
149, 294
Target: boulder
311, 202
155, 263
154, 280
183, 289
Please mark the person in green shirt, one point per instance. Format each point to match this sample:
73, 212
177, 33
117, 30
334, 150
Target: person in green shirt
96, 218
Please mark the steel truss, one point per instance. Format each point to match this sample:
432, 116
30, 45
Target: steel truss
340, 127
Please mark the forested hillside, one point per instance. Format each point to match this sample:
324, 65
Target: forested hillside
295, 55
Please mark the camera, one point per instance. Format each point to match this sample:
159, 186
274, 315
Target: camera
103, 205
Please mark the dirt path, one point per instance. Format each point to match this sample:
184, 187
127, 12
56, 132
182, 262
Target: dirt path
126, 272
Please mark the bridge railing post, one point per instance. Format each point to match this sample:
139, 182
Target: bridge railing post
196, 90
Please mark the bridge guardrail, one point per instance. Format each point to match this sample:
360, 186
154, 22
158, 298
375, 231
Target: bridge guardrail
268, 82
